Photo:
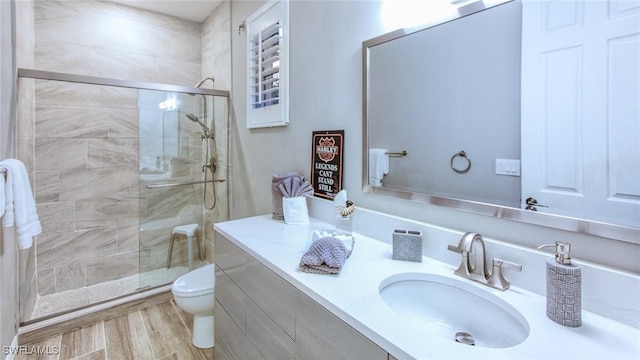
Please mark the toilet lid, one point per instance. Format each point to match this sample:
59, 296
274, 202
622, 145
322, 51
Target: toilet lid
196, 282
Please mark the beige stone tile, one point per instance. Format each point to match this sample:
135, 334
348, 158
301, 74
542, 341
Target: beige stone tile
47, 349
55, 153
70, 122
178, 72
123, 65
112, 152
112, 267
113, 97
56, 216
102, 212
46, 282
79, 184
64, 57
60, 93
148, 17
55, 249
133, 36
79, 28
167, 334
46, 186
126, 338
70, 276
128, 237
123, 123
186, 48
83, 341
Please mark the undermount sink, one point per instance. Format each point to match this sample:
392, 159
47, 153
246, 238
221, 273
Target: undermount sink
453, 309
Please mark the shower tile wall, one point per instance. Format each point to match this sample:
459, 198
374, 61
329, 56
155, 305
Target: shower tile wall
86, 137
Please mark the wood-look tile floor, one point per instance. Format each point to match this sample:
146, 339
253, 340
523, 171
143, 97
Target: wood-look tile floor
159, 332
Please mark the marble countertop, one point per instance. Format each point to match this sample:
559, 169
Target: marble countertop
353, 296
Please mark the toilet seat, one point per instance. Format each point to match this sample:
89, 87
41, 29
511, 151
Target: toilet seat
198, 282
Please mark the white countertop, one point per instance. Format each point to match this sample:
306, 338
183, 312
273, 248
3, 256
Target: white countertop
353, 296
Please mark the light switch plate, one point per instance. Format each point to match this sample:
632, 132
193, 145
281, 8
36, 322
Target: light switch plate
508, 167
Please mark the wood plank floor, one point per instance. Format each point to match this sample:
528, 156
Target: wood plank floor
159, 332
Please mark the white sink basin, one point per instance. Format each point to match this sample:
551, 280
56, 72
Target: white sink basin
448, 307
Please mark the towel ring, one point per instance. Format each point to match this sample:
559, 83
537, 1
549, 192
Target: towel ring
461, 154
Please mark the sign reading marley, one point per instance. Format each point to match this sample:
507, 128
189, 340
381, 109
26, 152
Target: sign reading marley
326, 162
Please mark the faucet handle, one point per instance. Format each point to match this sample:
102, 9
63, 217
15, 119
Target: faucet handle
463, 269
497, 280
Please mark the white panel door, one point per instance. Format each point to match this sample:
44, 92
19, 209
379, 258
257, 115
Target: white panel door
581, 108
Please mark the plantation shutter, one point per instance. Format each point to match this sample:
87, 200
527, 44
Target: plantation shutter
267, 93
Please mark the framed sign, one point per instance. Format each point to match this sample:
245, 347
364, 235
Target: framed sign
326, 162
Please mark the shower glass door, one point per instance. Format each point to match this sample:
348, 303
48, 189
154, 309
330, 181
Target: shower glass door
172, 155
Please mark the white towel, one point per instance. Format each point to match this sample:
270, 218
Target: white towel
378, 166
20, 206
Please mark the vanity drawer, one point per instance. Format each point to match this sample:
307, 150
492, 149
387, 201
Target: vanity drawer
231, 259
274, 295
322, 335
231, 297
230, 340
267, 337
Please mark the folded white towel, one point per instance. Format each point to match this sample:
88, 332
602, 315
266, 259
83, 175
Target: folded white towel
19, 202
378, 166
346, 239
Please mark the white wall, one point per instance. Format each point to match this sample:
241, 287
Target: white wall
8, 254
325, 83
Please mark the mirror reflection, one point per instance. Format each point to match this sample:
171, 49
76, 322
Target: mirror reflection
511, 106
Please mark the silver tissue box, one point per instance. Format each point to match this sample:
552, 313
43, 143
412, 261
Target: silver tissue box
407, 245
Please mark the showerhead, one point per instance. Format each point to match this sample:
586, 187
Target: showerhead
195, 119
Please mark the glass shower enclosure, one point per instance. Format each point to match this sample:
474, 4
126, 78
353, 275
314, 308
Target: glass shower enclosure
117, 169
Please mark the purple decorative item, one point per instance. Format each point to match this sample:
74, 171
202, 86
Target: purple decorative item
325, 256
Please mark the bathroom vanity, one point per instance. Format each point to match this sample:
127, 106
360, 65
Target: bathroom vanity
268, 309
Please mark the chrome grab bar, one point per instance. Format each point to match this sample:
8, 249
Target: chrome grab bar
153, 186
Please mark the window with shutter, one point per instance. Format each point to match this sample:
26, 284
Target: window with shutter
267, 66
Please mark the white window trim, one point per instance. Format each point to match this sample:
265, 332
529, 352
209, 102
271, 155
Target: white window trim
275, 114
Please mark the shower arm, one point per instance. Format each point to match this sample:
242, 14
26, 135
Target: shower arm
203, 81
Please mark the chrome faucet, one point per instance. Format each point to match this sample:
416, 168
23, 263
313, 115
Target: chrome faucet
473, 263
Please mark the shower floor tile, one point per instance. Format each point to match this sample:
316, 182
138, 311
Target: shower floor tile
157, 332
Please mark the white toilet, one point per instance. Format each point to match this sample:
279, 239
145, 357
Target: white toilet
193, 292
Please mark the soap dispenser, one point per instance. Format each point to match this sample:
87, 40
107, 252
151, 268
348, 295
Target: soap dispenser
564, 282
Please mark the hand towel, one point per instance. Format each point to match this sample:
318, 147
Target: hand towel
276, 194
378, 166
325, 256
20, 205
295, 210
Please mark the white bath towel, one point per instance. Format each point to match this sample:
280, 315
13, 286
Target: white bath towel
378, 166
20, 206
